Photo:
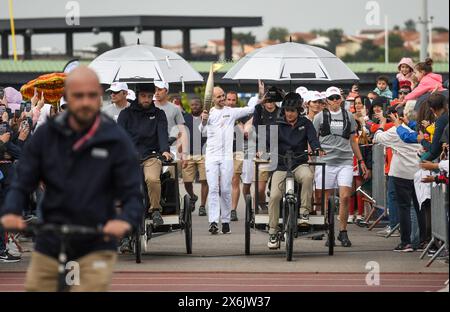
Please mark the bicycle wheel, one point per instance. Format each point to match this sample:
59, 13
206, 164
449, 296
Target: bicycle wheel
140, 239
137, 244
187, 223
291, 226
248, 223
330, 215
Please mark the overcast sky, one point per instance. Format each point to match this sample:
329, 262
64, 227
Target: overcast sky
295, 15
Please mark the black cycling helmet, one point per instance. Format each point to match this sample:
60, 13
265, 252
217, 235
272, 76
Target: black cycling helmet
293, 100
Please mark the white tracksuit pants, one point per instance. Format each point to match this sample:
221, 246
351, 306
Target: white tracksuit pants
219, 205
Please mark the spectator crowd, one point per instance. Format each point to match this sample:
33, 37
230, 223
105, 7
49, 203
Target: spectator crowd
407, 115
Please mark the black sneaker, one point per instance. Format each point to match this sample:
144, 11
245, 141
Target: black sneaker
422, 246
304, 217
157, 219
125, 246
433, 249
226, 228
343, 238
8, 258
202, 211
213, 228
234, 217
193, 201
274, 241
404, 248
262, 208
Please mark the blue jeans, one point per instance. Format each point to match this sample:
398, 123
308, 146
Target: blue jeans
415, 232
392, 203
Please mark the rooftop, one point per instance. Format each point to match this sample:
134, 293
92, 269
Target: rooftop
128, 23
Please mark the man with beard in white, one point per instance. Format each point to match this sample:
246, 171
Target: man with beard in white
218, 126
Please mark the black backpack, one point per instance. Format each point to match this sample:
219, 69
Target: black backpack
264, 115
325, 127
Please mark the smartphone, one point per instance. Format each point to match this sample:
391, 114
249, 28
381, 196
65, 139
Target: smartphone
10, 113
17, 113
3, 129
2, 110
23, 125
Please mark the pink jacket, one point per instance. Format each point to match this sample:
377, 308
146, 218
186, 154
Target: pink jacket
427, 84
400, 77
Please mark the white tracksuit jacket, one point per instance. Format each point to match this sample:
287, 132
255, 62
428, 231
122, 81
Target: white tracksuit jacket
219, 131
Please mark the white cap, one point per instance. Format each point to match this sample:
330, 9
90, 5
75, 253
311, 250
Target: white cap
332, 91
301, 90
323, 95
312, 96
162, 85
118, 86
131, 95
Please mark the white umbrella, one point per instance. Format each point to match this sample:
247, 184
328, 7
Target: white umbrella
143, 63
291, 61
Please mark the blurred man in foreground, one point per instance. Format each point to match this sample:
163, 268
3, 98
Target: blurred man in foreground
86, 162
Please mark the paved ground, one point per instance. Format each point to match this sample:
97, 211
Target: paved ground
221, 258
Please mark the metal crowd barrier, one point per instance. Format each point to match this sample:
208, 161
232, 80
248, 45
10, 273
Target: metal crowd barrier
377, 198
378, 176
439, 220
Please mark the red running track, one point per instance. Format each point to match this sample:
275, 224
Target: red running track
256, 282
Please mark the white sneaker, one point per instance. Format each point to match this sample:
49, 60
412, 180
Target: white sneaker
396, 233
12, 249
350, 219
359, 218
384, 231
274, 242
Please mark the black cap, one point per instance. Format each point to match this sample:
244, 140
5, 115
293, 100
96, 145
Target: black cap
273, 94
380, 101
145, 87
292, 100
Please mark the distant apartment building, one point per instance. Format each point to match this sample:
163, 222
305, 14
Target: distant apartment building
411, 42
217, 47
349, 46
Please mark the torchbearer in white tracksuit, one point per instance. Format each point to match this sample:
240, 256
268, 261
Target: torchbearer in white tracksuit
218, 127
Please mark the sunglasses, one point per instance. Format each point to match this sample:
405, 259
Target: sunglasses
116, 92
403, 92
334, 97
81, 95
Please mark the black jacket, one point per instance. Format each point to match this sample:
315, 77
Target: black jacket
296, 139
262, 117
81, 186
147, 128
13, 147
